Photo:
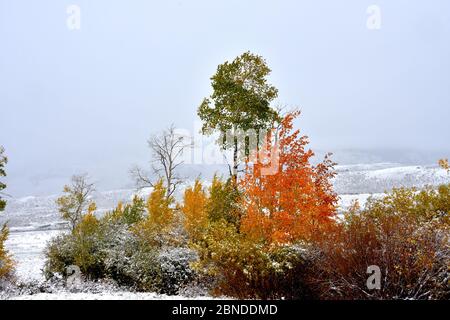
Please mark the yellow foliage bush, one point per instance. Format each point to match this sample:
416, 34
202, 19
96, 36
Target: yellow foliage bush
419, 204
87, 235
194, 210
160, 213
6, 262
155, 228
129, 213
443, 163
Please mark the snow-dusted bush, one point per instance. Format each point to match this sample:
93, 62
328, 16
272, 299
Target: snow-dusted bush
128, 260
131, 261
82, 248
112, 248
59, 255
176, 271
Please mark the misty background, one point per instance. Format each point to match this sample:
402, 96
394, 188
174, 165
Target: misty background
86, 100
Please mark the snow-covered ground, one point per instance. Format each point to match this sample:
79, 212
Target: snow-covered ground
28, 250
106, 295
35, 220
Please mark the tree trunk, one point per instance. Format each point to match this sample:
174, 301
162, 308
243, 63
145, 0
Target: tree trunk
235, 161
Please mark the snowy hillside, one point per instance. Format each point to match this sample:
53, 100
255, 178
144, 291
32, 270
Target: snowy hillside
377, 178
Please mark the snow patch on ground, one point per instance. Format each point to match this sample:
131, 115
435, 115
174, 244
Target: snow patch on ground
27, 248
123, 295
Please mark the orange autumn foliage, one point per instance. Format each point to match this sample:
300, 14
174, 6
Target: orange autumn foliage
288, 198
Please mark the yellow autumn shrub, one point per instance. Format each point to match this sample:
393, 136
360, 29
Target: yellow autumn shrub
194, 210
87, 235
155, 228
6, 261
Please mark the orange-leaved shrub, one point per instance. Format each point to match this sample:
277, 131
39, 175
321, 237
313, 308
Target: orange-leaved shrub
294, 200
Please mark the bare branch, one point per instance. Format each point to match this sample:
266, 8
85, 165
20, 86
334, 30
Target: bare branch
167, 150
141, 178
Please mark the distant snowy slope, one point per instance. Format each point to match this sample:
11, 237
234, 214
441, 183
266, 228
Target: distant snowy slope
378, 178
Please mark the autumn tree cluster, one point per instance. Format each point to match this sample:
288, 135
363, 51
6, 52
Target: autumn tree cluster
271, 230
129, 244
247, 234
280, 235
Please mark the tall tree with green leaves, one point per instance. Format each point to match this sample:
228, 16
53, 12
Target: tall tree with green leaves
3, 162
240, 102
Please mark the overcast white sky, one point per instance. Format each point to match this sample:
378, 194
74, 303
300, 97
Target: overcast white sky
86, 100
